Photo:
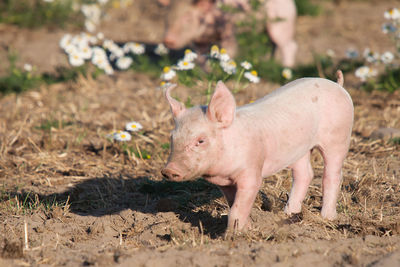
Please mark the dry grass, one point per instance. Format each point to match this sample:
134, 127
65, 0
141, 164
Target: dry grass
66, 187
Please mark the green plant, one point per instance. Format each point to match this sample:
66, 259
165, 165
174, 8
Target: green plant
48, 124
28, 202
148, 64
389, 79
37, 13
17, 80
254, 44
63, 74
395, 140
306, 8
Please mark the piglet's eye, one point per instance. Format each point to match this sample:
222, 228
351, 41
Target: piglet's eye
200, 142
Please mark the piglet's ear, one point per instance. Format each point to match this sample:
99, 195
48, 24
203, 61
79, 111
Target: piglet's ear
222, 106
177, 107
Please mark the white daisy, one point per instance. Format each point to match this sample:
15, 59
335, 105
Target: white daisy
351, 53
185, 65
116, 51
124, 63
27, 67
92, 12
79, 41
98, 51
223, 55
365, 72
287, 73
392, 13
168, 74
330, 53
100, 62
371, 56
100, 36
133, 126
108, 69
122, 136
86, 52
387, 57
138, 49
252, 76
246, 65
65, 41
161, 49
90, 26
89, 37
388, 28
164, 85
214, 52
108, 43
189, 55
228, 66
70, 49
135, 48
76, 59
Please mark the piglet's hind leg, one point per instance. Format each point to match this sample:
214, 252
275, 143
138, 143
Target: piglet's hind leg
302, 176
333, 159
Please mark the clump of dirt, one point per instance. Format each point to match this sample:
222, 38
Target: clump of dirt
12, 250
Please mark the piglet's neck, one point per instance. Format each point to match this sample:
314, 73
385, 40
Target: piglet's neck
236, 146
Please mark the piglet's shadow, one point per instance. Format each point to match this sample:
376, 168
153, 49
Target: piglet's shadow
110, 195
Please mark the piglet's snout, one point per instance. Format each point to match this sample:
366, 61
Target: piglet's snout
171, 172
170, 42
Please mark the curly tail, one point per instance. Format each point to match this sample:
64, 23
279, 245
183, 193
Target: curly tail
339, 76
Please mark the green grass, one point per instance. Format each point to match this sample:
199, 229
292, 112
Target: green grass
28, 202
17, 80
47, 125
307, 8
64, 74
143, 63
38, 13
388, 81
395, 140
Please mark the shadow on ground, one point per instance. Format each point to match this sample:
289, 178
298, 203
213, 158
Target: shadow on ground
110, 195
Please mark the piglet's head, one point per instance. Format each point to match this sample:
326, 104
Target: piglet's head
188, 22
197, 140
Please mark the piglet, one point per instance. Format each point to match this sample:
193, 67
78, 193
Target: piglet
236, 147
202, 23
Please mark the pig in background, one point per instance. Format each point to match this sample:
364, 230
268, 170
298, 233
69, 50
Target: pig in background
202, 22
235, 148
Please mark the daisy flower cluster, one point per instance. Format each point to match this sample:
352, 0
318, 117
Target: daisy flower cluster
230, 67
393, 21
84, 47
124, 136
392, 26
373, 58
217, 57
105, 54
92, 13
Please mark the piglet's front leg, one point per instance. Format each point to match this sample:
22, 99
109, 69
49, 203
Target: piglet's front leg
246, 192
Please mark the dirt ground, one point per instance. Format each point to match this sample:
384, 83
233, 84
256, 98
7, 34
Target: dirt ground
80, 201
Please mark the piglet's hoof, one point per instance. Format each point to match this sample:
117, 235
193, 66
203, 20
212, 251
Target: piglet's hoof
233, 231
294, 218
